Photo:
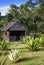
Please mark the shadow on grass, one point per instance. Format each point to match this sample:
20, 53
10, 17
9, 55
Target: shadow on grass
26, 59
22, 49
41, 49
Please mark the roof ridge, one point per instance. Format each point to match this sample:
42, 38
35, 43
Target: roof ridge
8, 25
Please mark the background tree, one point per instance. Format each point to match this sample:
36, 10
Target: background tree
0, 16
25, 16
13, 13
37, 9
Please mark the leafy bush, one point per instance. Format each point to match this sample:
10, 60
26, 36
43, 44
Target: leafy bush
41, 41
4, 45
31, 43
14, 55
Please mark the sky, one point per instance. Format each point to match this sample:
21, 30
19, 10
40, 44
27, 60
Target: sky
4, 5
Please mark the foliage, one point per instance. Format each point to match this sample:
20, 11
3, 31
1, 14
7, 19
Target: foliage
31, 4
32, 44
4, 45
13, 14
25, 17
3, 59
14, 55
42, 41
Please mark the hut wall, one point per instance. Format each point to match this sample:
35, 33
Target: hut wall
13, 35
12, 38
16, 35
6, 35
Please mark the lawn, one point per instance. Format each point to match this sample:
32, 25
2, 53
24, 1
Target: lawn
27, 57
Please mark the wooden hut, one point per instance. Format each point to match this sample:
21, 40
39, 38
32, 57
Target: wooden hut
14, 31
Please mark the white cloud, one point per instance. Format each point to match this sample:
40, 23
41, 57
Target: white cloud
4, 10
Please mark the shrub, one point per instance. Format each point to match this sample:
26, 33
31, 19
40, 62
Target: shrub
4, 45
31, 43
41, 41
14, 55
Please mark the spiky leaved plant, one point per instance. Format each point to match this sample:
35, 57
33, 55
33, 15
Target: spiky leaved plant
31, 43
41, 41
14, 55
4, 45
3, 59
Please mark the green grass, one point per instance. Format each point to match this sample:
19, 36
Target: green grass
16, 45
27, 57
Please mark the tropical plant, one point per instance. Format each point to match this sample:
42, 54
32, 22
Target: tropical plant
41, 41
4, 45
3, 59
14, 55
31, 43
